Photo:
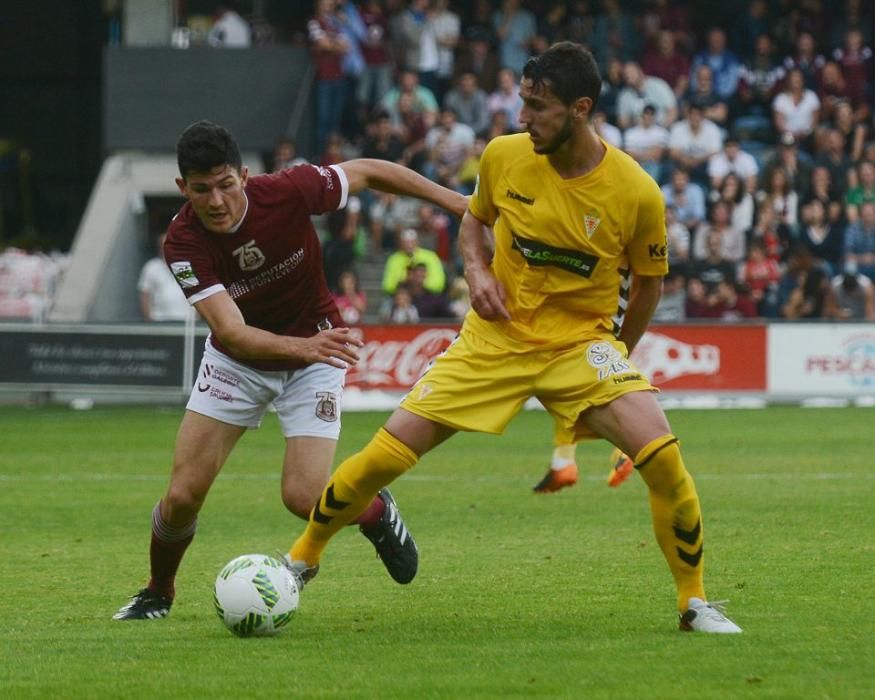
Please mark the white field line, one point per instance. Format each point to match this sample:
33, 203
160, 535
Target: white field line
98, 477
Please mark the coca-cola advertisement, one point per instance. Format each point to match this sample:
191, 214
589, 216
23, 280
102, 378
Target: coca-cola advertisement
688, 358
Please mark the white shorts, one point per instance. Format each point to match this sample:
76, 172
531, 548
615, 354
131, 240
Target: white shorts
307, 400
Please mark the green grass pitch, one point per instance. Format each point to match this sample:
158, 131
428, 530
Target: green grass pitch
518, 595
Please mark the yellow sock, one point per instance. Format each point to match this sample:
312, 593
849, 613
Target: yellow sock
677, 518
351, 489
563, 454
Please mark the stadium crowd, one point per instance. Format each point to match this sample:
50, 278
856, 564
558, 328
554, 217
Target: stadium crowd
760, 134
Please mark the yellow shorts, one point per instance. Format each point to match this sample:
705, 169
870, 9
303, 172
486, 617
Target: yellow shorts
476, 386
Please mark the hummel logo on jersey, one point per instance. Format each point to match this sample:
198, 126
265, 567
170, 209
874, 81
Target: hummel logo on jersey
520, 198
249, 257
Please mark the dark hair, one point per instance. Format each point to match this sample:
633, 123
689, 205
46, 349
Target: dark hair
204, 146
568, 70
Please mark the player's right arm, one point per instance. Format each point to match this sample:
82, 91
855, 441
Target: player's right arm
335, 347
486, 292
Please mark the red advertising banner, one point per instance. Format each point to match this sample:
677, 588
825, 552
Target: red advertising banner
686, 358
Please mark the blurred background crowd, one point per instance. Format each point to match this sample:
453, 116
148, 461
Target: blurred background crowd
759, 126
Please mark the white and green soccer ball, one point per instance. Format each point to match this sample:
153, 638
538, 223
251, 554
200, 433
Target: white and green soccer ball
256, 596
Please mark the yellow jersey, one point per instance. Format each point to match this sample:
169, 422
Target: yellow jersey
564, 248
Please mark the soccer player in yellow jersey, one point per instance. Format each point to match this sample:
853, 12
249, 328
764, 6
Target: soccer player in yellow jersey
572, 217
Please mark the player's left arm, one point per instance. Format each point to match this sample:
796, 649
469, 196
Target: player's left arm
644, 295
390, 177
648, 260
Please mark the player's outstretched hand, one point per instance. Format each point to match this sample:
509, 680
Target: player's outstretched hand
337, 347
487, 295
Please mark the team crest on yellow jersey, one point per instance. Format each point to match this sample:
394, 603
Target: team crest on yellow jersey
591, 222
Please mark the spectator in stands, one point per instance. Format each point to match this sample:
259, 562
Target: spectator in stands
696, 299
551, 27
832, 88
859, 240
760, 274
614, 34
834, 159
328, 46
672, 304
475, 56
778, 194
339, 250
774, 235
389, 215
678, 239
667, 62
161, 299
612, 83
447, 31
821, 189
285, 155
686, 197
857, 64
646, 142
459, 298
382, 140
448, 144
863, 192
466, 177
805, 287
418, 42
354, 31
733, 193
470, 102
724, 65
713, 268
399, 307
731, 303
506, 98
692, 141
422, 101
703, 92
853, 295
376, 78
824, 240
796, 107
580, 24
429, 305
497, 126
230, 30
515, 28
736, 161
410, 253
605, 129
760, 78
750, 26
855, 133
350, 299
732, 241
434, 229
795, 162
805, 59
640, 90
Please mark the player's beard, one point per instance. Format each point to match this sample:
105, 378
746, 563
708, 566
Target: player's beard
561, 139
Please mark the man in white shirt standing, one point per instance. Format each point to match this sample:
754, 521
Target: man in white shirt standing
161, 299
647, 142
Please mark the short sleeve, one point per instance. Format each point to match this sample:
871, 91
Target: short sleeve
648, 250
319, 189
192, 267
481, 203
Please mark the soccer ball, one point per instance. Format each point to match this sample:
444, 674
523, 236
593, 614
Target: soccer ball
255, 595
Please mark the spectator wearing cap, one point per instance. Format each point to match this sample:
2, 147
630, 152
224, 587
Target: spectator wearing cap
692, 141
646, 142
641, 90
733, 160
410, 253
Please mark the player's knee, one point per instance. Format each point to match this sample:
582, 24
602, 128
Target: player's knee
183, 502
300, 499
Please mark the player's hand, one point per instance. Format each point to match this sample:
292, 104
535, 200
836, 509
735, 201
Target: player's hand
487, 295
337, 347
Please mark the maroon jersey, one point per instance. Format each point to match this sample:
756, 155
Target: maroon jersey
272, 264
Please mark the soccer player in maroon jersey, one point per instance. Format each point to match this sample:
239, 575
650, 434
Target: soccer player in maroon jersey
246, 255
